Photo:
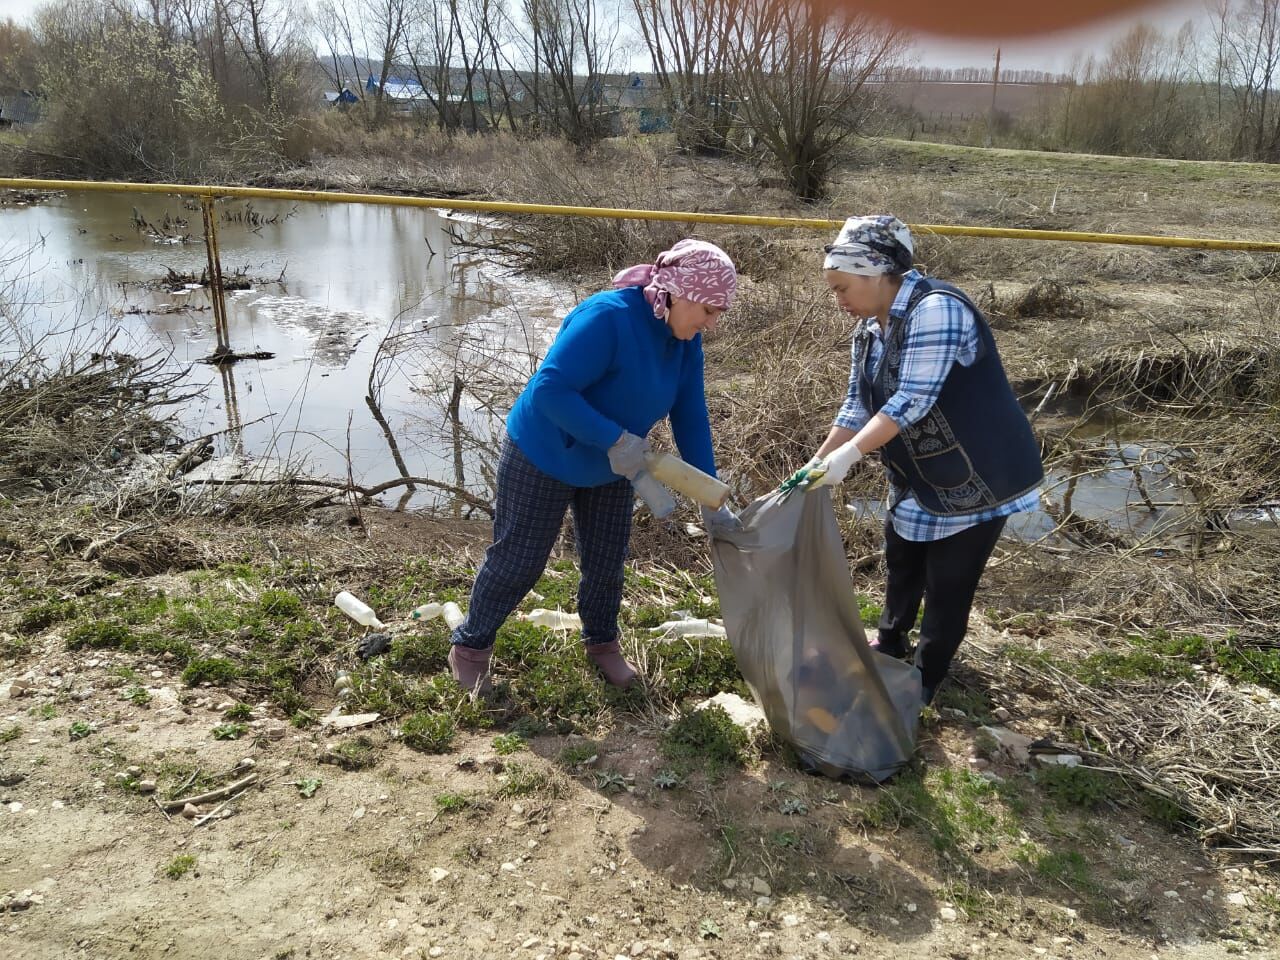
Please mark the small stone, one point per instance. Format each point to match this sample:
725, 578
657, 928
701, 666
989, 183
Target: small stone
764, 903
912, 908
729, 884
436, 952
1237, 899
57, 805
517, 808
157, 674
190, 811
15, 807
437, 874
1171, 894
790, 920
875, 860
760, 887
1001, 714
133, 771
508, 867
978, 763
1071, 914
146, 786
948, 914
638, 948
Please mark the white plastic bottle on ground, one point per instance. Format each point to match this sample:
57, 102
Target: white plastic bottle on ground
453, 615
689, 628
554, 619
357, 610
428, 611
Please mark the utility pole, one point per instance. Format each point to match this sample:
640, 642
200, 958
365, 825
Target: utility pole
995, 83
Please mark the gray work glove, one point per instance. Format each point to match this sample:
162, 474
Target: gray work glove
626, 456
720, 524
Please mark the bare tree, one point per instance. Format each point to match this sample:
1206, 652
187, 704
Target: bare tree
567, 50
688, 45
1247, 38
799, 75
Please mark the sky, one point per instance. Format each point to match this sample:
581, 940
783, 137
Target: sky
1051, 54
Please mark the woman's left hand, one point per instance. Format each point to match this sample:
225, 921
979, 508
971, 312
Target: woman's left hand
836, 466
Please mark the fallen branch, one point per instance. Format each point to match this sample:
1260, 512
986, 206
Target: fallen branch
219, 794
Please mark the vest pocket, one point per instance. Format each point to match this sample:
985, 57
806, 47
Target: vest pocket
945, 469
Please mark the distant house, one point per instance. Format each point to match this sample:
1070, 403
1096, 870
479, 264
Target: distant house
19, 108
405, 95
340, 98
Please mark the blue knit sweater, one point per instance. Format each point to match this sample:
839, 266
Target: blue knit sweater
613, 366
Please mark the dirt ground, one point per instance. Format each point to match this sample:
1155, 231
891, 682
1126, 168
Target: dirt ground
545, 857
571, 839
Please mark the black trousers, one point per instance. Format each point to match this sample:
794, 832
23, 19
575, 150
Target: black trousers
945, 574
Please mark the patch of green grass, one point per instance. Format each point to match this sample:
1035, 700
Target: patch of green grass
429, 732
696, 667
215, 670
10, 734
1077, 786
99, 635
1249, 665
552, 681
44, 615
1067, 867
46, 711
304, 719
280, 605
1108, 667
524, 781
869, 611
180, 866
956, 809
79, 729
138, 696
708, 740
454, 802
229, 731
576, 754
425, 652
355, 753
379, 686
239, 711
1164, 811
973, 703
508, 743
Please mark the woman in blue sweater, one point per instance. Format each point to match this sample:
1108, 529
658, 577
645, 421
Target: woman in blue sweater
623, 360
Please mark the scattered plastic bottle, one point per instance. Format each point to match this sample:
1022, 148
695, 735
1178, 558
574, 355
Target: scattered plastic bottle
342, 683
689, 628
357, 610
428, 611
554, 619
453, 615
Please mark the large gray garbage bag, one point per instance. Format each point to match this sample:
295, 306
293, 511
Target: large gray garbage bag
792, 617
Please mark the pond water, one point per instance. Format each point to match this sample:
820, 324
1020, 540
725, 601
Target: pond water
328, 284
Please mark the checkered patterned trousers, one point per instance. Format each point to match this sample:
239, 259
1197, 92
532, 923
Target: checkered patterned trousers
527, 518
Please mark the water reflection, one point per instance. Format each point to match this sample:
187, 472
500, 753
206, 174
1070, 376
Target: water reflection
372, 315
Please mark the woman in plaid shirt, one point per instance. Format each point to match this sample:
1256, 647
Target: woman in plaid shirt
928, 392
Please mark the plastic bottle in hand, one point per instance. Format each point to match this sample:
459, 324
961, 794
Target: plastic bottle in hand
357, 610
453, 615
656, 497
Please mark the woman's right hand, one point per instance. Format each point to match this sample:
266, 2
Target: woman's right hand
627, 455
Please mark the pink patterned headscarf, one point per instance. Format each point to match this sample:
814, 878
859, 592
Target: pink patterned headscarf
692, 269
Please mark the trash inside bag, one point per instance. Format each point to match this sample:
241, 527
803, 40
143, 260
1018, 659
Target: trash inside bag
792, 618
